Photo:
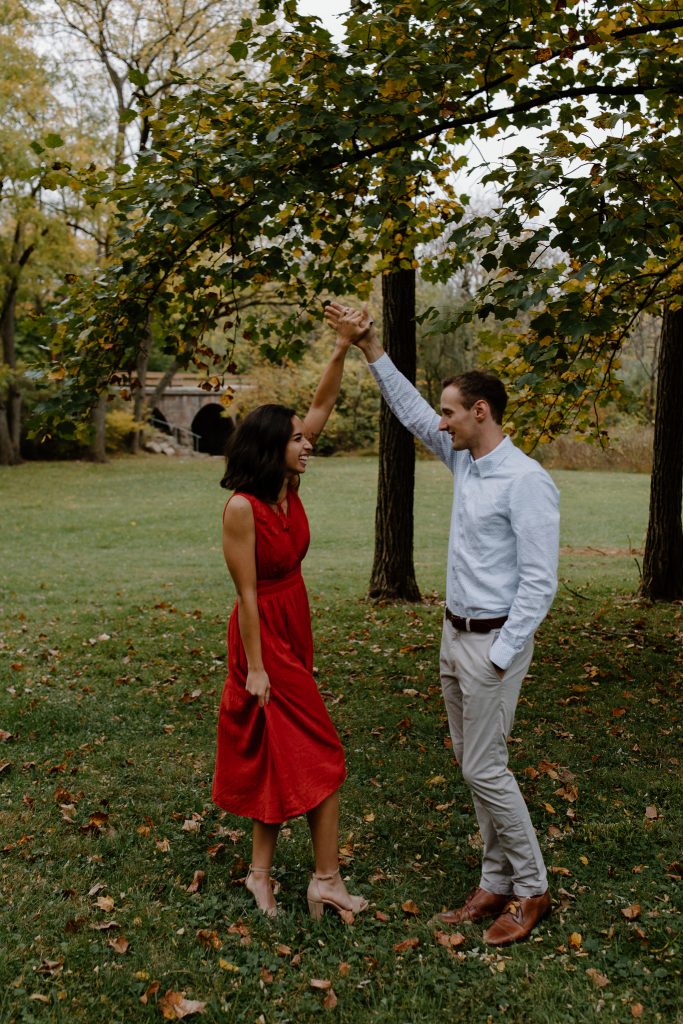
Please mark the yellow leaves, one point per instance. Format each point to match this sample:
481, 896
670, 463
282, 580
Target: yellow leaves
436, 780
575, 940
227, 965
549, 808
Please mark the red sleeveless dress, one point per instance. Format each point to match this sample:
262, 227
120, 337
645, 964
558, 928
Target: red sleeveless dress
276, 762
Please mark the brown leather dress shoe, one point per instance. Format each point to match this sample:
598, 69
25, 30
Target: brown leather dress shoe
517, 921
478, 905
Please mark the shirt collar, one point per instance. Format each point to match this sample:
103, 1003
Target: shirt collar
490, 462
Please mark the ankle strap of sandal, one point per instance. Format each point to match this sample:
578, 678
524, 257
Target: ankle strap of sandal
259, 871
326, 878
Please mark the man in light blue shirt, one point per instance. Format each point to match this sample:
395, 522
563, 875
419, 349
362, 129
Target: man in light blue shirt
501, 580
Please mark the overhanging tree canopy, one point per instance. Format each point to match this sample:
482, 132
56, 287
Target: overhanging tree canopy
339, 161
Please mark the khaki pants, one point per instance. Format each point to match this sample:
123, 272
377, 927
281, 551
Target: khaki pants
481, 711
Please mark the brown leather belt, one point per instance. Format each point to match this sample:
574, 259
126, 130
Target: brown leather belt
475, 625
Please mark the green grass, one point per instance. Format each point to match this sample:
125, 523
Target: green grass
112, 744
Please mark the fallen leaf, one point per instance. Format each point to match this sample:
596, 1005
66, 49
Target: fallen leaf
436, 780
266, 976
560, 871
119, 944
410, 907
651, 813
575, 940
105, 903
449, 939
549, 808
163, 845
39, 997
175, 1006
5, 737
598, 979
104, 926
208, 938
50, 966
330, 1000
637, 1009
401, 947
192, 825
381, 916
196, 883
283, 950
225, 965
151, 990
320, 983
344, 968
631, 913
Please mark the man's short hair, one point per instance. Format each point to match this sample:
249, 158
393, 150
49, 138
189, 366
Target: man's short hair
480, 384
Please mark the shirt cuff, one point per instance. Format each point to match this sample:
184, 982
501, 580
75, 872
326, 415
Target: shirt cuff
501, 653
382, 366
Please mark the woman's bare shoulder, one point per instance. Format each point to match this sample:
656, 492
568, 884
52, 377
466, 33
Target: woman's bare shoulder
238, 511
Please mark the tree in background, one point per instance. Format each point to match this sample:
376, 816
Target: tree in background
334, 165
37, 246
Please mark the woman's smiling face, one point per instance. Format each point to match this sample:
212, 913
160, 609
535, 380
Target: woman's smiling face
298, 449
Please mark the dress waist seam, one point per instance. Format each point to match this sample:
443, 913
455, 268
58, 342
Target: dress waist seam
267, 587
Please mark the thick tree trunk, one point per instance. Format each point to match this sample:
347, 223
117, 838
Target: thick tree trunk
663, 561
393, 572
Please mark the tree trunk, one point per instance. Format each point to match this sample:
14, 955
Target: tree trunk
98, 449
663, 560
393, 572
10, 399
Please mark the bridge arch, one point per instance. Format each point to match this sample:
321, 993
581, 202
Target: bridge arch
212, 429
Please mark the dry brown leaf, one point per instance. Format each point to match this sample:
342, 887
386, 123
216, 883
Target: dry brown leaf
283, 950
192, 825
320, 983
436, 780
330, 1000
560, 871
120, 944
598, 979
175, 1006
5, 737
575, 940
197, 880
105, 903
50, 966
226, 965
410, 943
548, 768
266, 976
104, 926
549, 807
344, 968
449, 939
163, 845
209, 938
632, 913
381, 916
410, 907
151, 990
637, 1009
651, 812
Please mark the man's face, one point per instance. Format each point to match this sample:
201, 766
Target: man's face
462, 424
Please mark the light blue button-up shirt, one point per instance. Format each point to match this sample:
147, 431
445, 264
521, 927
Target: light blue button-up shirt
504, 537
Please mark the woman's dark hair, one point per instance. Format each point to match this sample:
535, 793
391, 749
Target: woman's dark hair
255, 453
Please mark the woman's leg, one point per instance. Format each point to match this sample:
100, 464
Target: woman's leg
327, 884
263, 840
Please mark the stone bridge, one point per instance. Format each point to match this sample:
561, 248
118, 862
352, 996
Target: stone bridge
191, 414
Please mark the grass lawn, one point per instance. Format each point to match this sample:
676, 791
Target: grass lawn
112, 620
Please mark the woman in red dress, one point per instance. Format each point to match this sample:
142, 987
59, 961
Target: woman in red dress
278, 753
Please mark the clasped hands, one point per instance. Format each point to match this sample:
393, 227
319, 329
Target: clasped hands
352, 325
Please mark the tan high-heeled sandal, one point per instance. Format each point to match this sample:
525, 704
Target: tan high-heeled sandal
317, 902
267, 909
